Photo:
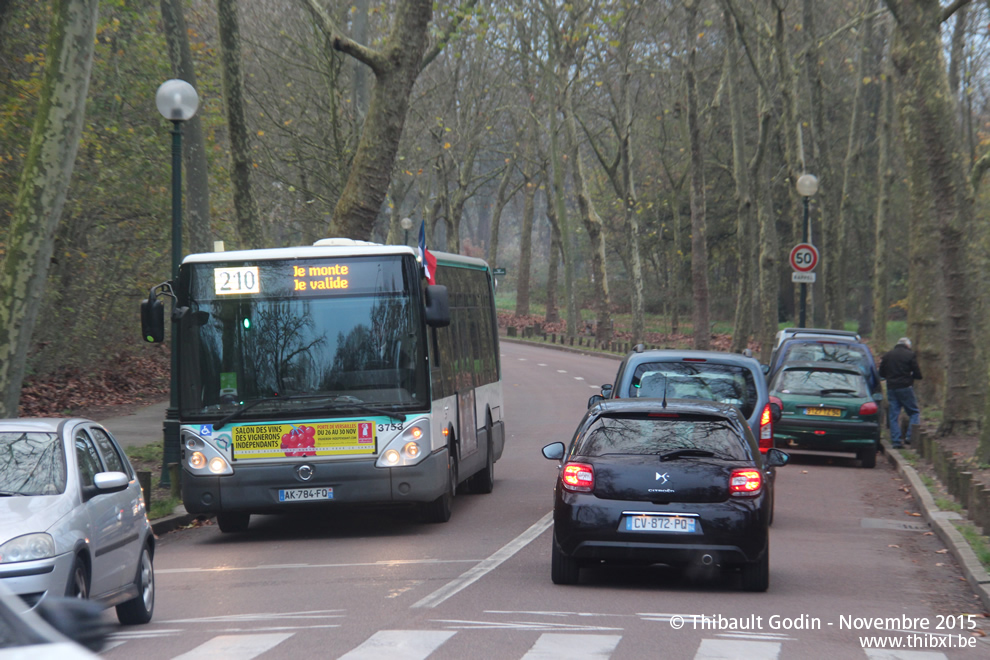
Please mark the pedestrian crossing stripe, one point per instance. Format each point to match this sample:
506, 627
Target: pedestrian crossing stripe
421, 644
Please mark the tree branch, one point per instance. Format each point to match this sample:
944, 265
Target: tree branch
953, 8
462, 13
980, 167
367, 56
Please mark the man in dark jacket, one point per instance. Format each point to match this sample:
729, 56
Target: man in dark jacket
899, 366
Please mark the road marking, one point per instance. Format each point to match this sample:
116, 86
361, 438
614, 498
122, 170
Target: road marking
242, 647
561, 371
263, 616
594, 387
550, 646
896, 654
399, 645
578, 378
521, 359
722, 649
461, 624
474, 574
542, 364
268, 567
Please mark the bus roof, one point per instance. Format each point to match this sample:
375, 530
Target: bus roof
330, 248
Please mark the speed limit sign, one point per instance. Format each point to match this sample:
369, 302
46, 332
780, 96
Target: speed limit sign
804, 257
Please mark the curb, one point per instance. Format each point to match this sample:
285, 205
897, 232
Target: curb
161, 526
976, 575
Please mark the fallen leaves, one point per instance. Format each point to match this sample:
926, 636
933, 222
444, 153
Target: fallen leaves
942, 551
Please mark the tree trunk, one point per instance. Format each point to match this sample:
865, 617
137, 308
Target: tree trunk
197, 223
885, 179
699, 248
526, 234
930, 130
245, 207
501, 199
563, 222
592, 223
742, 327
396, 66
42, 187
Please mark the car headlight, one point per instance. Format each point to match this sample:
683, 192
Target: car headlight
27, 548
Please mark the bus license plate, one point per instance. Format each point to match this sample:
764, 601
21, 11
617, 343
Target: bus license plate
304, 494
660, 524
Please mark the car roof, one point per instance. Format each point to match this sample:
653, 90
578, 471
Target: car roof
675, 355
37, 424
693, 406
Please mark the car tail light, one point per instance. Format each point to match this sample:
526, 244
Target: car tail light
745, 483
868, 408
778, 401
766, 429
579, 477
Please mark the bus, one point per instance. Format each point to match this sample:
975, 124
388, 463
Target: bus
332, 374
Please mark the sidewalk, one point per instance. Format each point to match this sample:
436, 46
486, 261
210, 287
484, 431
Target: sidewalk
142, 427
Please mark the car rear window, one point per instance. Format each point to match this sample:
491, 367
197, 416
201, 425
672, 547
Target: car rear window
725, 383
843, 353
31, 464
642, 434
814, 382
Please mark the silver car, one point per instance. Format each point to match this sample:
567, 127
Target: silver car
72, 517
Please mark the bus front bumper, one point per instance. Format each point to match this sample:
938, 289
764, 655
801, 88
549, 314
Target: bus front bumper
260, 488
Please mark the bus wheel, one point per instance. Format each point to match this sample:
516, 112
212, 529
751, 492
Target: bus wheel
438, 511
233, 522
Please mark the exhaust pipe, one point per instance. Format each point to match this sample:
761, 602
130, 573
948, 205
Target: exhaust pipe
707, 560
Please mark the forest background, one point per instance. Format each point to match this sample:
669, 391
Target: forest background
620, 158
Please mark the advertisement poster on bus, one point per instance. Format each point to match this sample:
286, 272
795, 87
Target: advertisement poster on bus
350, 438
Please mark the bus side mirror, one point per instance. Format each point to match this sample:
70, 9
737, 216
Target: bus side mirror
437, 306
153, 320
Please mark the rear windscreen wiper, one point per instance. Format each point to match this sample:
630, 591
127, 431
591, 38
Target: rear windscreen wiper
678, 453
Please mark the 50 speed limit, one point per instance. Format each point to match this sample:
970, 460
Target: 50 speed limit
804, 257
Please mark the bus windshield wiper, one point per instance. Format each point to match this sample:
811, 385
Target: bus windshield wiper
347, 401
267, 399
677, 453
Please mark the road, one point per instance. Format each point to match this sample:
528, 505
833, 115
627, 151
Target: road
844, 551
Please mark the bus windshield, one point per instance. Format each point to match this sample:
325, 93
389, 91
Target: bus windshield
279, 335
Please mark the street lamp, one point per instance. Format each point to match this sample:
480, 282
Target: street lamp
407, 225
177, 101
807, 186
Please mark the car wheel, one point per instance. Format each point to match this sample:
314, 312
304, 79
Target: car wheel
79, 582
484, 482
756, 576
868, 457
438, 511
139, 609
233, 522
563, 569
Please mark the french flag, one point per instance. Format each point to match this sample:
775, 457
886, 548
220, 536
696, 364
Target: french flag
429, 261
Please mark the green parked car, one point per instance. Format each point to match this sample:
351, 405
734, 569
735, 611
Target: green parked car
826, 407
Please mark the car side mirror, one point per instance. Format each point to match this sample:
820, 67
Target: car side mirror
606, 390
437, 307
765, 368
595, 399
777, 458
111, 482
554, 451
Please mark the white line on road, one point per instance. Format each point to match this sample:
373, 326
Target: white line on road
720, 649
242, 647
462, 624
561, 371
578, 378
471, 576
551, 645
542, 364
268, 567
897, 654
399, 645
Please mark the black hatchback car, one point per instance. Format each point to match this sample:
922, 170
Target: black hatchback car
652, 481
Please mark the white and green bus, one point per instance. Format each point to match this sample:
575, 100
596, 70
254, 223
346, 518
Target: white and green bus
330, 375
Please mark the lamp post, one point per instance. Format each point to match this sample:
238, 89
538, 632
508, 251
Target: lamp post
807, 186
177, 101
406, 225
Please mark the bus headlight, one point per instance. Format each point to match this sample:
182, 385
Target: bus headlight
409, 447
201, 458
